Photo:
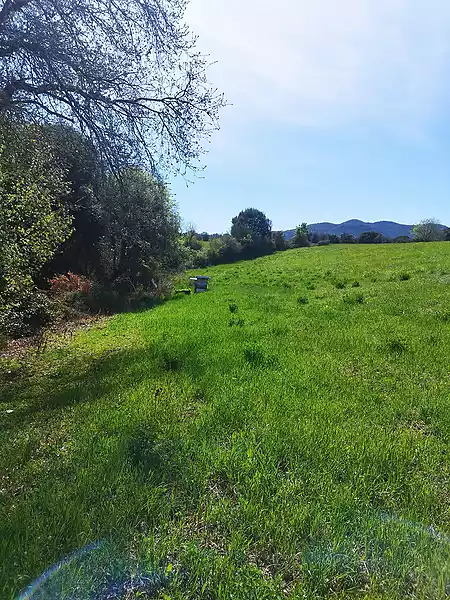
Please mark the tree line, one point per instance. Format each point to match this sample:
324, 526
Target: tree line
251, 235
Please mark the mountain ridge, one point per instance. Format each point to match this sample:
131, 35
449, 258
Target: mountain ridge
356, 227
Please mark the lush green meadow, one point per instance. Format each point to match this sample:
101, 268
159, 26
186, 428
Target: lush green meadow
285, 435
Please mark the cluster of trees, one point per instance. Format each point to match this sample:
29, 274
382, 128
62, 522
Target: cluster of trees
251, 235
96, 102
62, 211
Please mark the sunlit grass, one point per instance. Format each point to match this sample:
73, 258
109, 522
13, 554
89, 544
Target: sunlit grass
284, 435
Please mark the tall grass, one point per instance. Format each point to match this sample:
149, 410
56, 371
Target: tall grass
301, 454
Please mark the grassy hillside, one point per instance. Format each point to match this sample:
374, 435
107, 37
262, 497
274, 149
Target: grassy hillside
284, 436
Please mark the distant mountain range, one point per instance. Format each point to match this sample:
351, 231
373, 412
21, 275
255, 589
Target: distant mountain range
356, 227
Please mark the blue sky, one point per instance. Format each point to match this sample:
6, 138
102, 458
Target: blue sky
338, 109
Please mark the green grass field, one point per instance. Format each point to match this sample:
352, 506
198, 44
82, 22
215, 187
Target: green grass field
285, 435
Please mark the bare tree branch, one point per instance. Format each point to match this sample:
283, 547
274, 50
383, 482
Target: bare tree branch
9, 7
127, 75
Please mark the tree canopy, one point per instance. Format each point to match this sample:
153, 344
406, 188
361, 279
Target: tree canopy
127, 75
251, 223
142, 228
370, 237
428, 230
33, 221
300, 238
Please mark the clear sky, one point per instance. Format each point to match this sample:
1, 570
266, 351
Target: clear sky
338, 109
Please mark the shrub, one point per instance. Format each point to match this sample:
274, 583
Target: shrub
224, 249
70, 283
200, 259
233, 307
32, 311
323, 243
192, 242
348, 238
113, 298
404, 276
340, 285
302, 300
355, 284
370, 237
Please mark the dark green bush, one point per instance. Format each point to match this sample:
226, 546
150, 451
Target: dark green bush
302, 300
26, 315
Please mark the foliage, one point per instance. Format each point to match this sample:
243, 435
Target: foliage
25, 313
348, 238
278, 240
334, 239
370, 237
251, 226
141, 240
428, 230
321, 474
402, 239
33, 222
84, 175
224, 249
131, 79
447, 234
300, 238
191, 240
70, 283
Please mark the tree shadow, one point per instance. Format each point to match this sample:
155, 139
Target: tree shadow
83, 379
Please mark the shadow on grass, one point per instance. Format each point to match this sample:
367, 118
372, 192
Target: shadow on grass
84, 379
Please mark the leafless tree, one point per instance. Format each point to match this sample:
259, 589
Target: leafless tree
125, 73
